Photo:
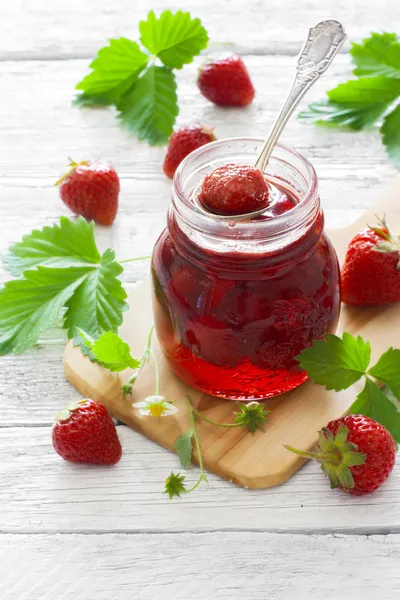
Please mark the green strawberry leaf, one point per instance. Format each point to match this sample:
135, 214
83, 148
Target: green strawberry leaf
357, 104
334, 114
183, 446
85, 341
389, 394
30, 306
391, 135
174, 38
150, 109
110, 351
61, 273
115, 69
97, 305
374, 403
387, 370
336, 363
69, 244
378, 55
99, 100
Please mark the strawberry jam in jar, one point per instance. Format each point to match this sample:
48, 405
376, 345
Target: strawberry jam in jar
235, 302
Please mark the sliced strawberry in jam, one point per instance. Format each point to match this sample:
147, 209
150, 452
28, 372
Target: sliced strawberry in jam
190, 284
234, 190
222, 347
226, 302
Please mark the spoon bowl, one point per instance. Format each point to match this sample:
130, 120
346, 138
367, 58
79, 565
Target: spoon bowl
274, 195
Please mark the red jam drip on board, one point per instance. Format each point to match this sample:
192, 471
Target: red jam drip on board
235, 333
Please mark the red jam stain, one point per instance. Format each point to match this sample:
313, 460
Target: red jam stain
236, 334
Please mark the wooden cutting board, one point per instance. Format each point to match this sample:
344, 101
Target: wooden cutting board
254, 461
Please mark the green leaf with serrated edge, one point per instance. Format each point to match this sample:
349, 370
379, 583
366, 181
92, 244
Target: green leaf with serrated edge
183, 446
373, 403
387, 370
85, 341
113, 353
71, 243
378, 55
175, 38
336, 363
98, 101
115, 69
357, 104
98, 303
333, 114
389, 394
29, 306
390, 131
151, 108
366, 91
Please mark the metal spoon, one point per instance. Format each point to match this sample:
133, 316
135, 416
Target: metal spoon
320, 48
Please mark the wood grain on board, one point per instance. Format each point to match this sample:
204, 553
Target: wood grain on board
254, 461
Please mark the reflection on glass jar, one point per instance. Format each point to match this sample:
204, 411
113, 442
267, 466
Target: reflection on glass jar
235, 303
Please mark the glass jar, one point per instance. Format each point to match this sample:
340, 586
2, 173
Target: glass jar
235, 303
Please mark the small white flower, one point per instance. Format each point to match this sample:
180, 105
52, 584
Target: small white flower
155, 406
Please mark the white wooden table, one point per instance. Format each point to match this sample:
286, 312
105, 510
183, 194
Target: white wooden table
70, 532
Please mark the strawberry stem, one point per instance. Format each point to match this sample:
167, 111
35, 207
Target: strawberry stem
126, 260
73, 165
336, 455
320, 456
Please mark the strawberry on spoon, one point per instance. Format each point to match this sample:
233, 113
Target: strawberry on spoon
85, 433
371, 270
91, 189
234, 190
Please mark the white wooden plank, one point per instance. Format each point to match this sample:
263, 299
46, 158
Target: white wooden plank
70, 28
207, 566
39, 492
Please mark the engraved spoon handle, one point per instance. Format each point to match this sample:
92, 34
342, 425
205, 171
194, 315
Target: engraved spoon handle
322, 44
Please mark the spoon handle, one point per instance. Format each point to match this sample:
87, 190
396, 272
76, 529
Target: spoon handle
322, 44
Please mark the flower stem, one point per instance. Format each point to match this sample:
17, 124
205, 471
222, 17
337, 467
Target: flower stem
157, 374
146, 355
148, 344
200, 416
126, 260
203, 476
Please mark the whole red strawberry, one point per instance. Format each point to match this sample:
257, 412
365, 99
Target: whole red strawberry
85, 433
183, 142
226, 82
91, 190
371, 270
356, 453
234, 190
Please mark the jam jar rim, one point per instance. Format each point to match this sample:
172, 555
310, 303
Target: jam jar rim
305, 211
